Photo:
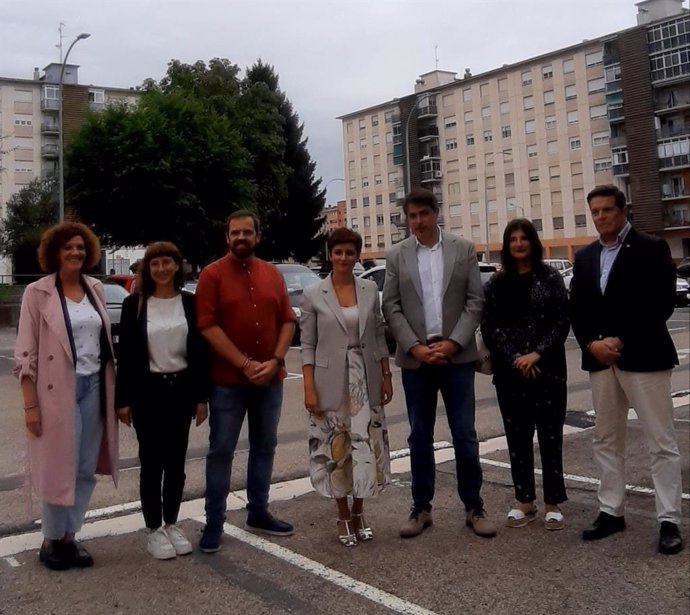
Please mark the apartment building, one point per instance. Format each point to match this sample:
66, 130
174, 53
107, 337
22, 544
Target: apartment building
29, 124
334, 216
528, 139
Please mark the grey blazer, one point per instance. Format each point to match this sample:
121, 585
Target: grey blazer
463, 298
324, 340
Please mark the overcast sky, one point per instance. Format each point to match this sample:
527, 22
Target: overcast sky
333, 57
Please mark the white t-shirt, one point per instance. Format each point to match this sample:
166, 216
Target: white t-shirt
86, 333
167, 330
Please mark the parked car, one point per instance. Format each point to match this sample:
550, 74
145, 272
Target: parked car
568, 278
124, 280
190, 286
559, 264
378, 275
486, 271
114, 296
297, 278
682, 292
684, 267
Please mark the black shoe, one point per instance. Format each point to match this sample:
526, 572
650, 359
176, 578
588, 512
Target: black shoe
79, 556
210, 538
54, 555
266, 523
604, 526
670, 541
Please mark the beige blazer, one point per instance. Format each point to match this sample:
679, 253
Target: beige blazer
463, 298
324, 340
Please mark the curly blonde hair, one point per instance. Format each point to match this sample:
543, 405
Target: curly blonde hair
57, 236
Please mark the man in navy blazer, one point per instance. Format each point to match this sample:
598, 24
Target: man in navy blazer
622, 294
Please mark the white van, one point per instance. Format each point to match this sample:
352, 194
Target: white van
559, 264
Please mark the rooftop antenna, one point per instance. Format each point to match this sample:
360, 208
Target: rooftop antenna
436, 55
59, 45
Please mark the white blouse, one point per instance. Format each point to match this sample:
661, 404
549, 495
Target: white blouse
86, 333
166, 327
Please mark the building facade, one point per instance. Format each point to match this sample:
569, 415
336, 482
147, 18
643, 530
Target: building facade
335, 216
529, 139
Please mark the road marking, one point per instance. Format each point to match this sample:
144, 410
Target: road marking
374, 594
677, 329
580, 479
12, 562
291, 376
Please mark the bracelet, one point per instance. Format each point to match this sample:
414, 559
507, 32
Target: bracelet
30, 407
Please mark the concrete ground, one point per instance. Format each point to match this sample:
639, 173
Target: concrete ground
445, 570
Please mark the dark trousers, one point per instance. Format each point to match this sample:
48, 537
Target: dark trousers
162, 425
455, 382
527, 404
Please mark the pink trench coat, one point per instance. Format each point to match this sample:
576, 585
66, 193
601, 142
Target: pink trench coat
43, 353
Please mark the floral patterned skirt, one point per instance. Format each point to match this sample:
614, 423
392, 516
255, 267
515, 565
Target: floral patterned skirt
348, 448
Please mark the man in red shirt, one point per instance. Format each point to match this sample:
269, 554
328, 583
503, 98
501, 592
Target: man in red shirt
243, 311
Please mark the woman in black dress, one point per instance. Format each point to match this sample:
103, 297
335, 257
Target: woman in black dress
525, 326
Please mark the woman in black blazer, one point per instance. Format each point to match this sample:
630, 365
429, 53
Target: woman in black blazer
162, 383
525, 325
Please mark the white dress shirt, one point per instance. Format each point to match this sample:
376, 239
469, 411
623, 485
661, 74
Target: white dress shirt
608, 256
430, 265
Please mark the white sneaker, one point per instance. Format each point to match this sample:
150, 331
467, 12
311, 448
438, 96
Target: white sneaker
178, 540
159, 546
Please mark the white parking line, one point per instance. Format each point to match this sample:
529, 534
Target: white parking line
12, 562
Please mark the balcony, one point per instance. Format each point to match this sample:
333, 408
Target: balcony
429, 110
50, 150
431, 176
671, 162
613, 86
619, 141
669, 193
619, 170
666, 132
96, 106
679, 72
50, 128
427, 133
615, 114
50, 104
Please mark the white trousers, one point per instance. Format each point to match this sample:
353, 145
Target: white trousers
649, 393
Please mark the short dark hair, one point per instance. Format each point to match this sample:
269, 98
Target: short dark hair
421, 196
524, 225
57, 236
344, 235
243, 213
155, 250
608, 190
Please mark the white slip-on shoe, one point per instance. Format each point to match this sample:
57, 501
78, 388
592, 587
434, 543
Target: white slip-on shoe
159, 546
178, 540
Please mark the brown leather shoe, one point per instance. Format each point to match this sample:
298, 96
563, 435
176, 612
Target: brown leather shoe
479, 521
416, 524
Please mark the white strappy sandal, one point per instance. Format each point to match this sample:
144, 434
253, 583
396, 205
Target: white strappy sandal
349, 538
519, 518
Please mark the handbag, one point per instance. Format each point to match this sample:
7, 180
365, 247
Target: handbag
483, 363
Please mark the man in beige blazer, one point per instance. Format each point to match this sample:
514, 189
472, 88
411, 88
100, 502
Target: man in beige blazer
432, 300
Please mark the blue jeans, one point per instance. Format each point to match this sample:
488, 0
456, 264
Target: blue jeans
227, 407
56, 520
456, 384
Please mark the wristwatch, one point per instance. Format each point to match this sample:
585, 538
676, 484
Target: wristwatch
280, 361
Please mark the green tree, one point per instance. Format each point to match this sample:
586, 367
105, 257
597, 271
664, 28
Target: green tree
30, 211
167, 169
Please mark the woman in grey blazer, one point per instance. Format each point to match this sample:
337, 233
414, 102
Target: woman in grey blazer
347, 381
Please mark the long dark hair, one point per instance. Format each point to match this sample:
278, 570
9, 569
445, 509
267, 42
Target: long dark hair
154, 250
507, 260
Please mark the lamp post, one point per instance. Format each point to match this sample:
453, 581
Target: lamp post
61, 140
407, 141
487, 252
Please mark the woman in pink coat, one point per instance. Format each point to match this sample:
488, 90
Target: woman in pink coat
64, 362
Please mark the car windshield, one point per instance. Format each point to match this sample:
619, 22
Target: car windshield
114, 293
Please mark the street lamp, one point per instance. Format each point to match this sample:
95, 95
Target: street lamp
487, 252
335, 179
407, 141
61, 140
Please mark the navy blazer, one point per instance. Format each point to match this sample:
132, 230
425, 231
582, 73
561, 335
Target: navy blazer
639, 299
133, 364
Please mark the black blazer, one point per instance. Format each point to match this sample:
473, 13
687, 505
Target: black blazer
133, 356
639, 299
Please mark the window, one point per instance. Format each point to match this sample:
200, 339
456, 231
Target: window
454, 188
23, 143
484, 89
353, 184
468, 116
506, 131
392, 197
529, 126
455, 211
504, 107
24, 166
491, 205
28, 95
602, 164
353, 203
374, 120
377, 161
576, 168
350, 146
570, 92
489, 159
531, 151
449, 122
467, 94
547, 71
596, 57
388, 117
575, 143
555, 171
365, 182
491, 181
535, 200
389, 137
367, 241
568, 66
367, 221
362, 144
556, 199
528, 102
537, 224
550, 122
597, 111
474, 208
23, 120
376, 139
487, 136
379, 220
578, 195
503, 85
526, 77
471, 162
362, 123
548, 97
580, 221
472, 185
558, 223
552, 147
377, 180
451, 144
509, 179
600, 138
534, 176
486, 111
469, 140
365, 202
596, 85
448, 100
572, 117
364, 162
355, 224
392, 177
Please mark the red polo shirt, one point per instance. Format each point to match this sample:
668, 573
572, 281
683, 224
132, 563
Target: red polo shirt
248, 300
